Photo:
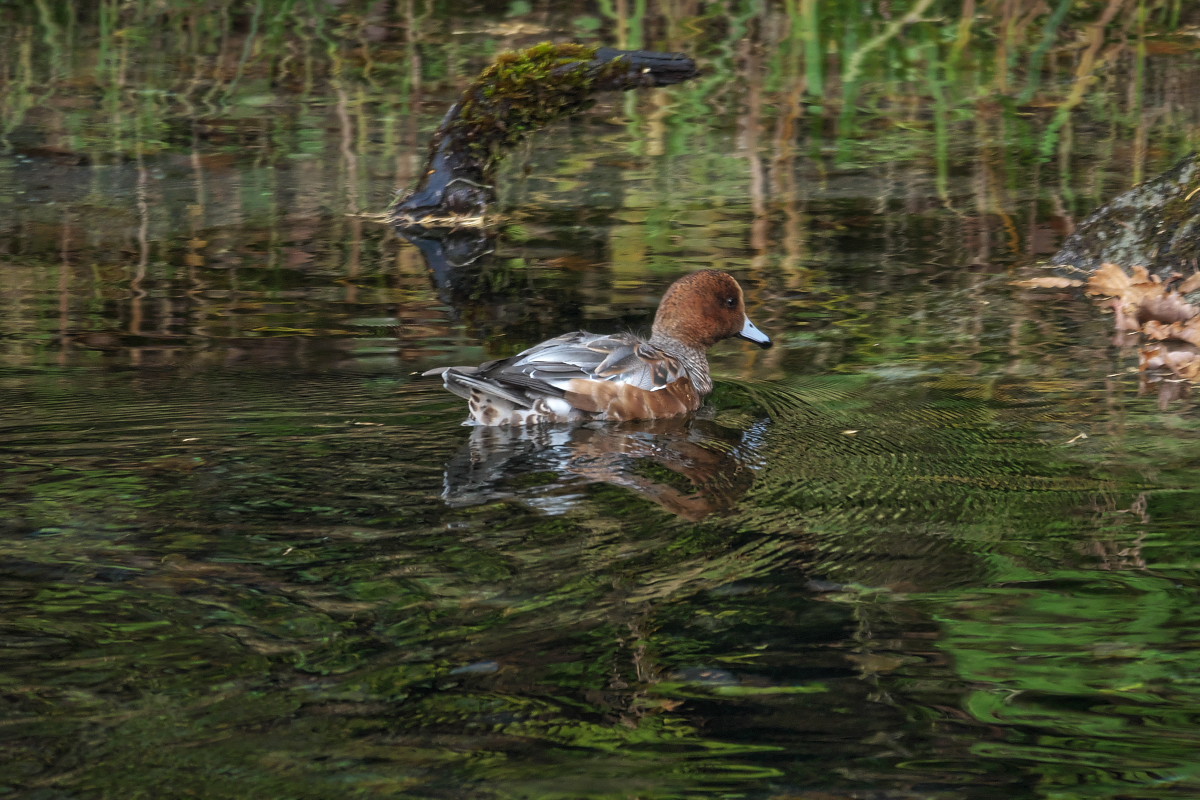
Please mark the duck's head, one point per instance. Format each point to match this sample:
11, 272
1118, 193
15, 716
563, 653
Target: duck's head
703, 308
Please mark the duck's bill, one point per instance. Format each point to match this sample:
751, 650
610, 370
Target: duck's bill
751, 333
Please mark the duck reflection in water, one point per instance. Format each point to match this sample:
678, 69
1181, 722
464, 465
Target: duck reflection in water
690, 467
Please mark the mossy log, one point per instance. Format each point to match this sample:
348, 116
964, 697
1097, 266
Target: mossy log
1155, 224
520, 93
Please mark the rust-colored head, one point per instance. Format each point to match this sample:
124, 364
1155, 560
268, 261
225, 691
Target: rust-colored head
703, 308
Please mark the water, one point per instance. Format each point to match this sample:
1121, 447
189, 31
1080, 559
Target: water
937, 543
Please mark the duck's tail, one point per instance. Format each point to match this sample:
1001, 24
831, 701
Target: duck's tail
465, 382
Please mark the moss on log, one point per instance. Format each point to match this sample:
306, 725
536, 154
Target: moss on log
520, 93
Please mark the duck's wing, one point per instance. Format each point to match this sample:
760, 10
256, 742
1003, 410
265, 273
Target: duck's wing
550, 367
621, 358
612, 377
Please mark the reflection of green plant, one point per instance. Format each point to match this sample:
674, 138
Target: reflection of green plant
935, 58
165, 65
1072, 657
68, 499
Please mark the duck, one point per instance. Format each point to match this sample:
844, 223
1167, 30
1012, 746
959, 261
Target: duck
583, 376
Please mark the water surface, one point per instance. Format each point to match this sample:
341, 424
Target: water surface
938, 543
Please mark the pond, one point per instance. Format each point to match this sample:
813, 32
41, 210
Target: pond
939, 542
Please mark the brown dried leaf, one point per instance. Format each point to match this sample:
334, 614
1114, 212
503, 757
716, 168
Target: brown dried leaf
1158, 331
1168, 308
1142, 276
1113, 281
1109, 280
1191, 284
1047, 283
1139, 297
1180, 358
1182, 331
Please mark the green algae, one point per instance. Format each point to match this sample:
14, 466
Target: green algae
527, 90
521, 92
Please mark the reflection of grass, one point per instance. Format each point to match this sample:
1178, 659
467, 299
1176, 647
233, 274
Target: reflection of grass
160, 68
220, 56
314, 124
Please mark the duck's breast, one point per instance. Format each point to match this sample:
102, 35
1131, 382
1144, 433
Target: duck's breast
620, 400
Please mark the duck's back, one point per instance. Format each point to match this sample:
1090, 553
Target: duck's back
576, 376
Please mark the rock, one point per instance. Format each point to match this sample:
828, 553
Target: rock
1155, 224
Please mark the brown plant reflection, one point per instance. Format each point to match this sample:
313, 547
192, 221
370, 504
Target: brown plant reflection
1154, 314
692, 468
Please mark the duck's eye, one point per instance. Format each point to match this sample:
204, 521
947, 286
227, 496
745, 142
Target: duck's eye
731, 302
